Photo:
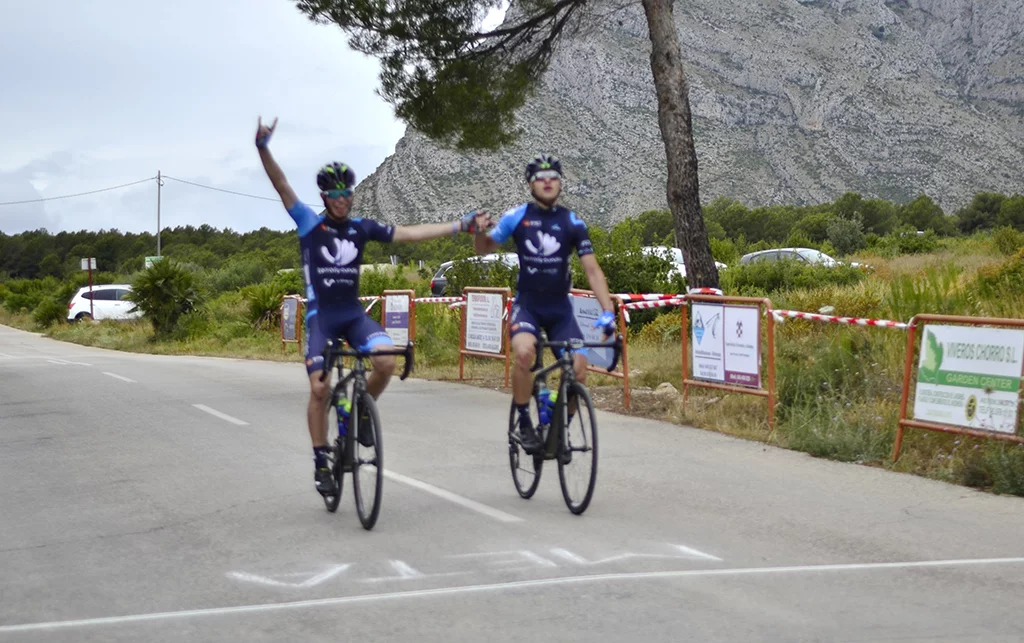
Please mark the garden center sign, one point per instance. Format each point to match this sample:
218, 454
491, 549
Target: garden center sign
970, 377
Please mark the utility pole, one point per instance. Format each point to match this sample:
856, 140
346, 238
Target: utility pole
159, 184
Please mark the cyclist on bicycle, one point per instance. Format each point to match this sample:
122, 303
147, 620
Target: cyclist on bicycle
332, 251
545, 234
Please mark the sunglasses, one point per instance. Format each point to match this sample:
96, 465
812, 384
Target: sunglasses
545, 175
337, 194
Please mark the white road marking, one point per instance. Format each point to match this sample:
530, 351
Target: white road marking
490, 512
404, 569
499, 587
569, 556
223, 416
695, 553
119, 377
6, 355
64, 362
312, 581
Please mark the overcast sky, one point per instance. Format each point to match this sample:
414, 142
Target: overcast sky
106, 92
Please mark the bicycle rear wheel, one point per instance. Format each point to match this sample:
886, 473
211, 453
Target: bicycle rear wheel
367, 461
335, 458
577, 453
525, 468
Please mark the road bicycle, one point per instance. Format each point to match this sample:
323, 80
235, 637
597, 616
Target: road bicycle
572, 441
358, 448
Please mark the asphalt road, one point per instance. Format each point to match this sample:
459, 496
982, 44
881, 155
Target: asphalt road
171, 498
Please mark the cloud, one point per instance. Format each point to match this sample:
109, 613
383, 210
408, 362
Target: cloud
183, 98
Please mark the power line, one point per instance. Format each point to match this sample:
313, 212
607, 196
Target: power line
210, 187
70, 196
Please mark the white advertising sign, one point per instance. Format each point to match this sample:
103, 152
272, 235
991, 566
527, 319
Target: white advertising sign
742, 332
396, 318
707, 342
586, 310
969, 377
86, 263
484, 312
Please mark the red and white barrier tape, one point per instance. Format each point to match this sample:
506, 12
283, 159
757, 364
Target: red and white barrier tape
653, 304
782, 315
437, 300
650, 297
705, 291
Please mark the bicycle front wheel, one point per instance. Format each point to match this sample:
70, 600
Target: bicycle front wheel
525, 468
577, 451
367, 461
335, 458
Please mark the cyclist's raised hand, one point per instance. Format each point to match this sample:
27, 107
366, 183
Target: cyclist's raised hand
263, 133
606, 322
475, 221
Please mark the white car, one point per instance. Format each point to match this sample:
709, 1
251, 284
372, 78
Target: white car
675, 255
805, 255
108, 302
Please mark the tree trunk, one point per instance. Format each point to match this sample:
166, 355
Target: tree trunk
677, 133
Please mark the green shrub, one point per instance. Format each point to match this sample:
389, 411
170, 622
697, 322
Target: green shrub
846, 235
1007, 277
1007, 240
290, 282
438, 329
472, 272
192, 326
374, 281
766, 278
724, 250
938, 290
839, 431
17, 302
663, 329
49, 312
164, 293
237, 272
264, 301
1005, 466
907, 241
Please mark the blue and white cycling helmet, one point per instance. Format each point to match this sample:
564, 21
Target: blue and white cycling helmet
543, 166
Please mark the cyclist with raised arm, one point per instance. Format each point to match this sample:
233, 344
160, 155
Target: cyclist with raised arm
545, 235
332, 250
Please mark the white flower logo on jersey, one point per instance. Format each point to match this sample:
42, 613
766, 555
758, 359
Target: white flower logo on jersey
548, 245
344, 252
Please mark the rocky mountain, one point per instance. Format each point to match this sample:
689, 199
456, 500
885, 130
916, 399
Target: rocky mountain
794, 101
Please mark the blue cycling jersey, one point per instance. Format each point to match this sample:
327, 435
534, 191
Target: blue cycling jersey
545, 240
331, 255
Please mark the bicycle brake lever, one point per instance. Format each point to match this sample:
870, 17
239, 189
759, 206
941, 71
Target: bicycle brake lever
408, 361
616, 353
327, 360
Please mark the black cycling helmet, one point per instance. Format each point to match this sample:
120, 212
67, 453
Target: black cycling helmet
540, 163
336, 176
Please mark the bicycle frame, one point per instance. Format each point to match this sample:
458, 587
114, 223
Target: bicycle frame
357, 375
555, 435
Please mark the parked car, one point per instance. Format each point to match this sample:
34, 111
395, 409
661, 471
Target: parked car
806, 255
439, 284
108, 302
675, 255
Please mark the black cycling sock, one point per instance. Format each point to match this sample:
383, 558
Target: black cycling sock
524, 410
320, 456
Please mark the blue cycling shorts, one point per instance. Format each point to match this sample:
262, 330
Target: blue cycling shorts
356, 327
555, 318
